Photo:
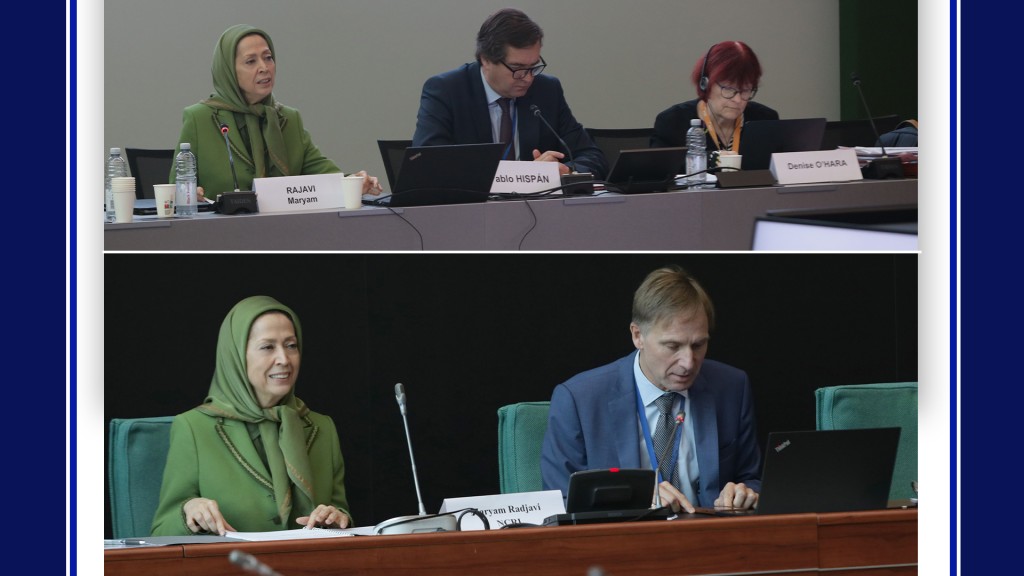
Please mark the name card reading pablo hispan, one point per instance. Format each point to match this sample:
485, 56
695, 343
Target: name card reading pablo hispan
504, 509
815, 166
520, 176
299, 193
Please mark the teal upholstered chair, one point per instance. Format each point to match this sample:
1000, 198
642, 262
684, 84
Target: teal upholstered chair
521, 429
135, 465
876, 406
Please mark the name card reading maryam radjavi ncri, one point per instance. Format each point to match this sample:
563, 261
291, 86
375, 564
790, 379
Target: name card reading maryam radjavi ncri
522, 177
504, 509
818, 166
300, 193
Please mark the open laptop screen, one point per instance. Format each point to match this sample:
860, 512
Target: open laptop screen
762, 138
450, 174
828, 470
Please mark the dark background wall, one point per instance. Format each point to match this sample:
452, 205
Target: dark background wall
467, 334
878, 40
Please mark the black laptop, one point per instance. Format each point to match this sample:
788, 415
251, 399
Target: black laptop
826, 471
450, 174
762, 138
609, 495
646, 170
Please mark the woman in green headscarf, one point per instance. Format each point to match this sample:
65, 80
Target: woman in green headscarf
253, 457
266, 137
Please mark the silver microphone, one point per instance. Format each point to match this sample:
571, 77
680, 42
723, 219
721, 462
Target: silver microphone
400, 398
250, 563
422, 522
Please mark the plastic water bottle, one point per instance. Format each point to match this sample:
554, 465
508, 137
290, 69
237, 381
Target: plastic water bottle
117, 167
185, 205
696, 154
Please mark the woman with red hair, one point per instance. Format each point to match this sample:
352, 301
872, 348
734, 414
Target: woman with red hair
726, 79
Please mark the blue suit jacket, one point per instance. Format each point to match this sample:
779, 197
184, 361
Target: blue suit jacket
593, 425
453, 110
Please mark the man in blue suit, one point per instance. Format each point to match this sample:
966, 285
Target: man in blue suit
609, 417
492, 100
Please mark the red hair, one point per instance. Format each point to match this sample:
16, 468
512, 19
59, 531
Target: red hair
732, 63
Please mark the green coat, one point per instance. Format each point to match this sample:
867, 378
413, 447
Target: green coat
215, 458
201, 129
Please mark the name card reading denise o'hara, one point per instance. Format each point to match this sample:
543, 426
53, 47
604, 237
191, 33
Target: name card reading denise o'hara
299, 193
522, 177
816, 166
504, 509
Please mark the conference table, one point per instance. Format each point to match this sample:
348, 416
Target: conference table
709, 219
862, 543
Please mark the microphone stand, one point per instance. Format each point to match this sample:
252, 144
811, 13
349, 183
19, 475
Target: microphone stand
422, 522
879, 168
570, 182
237, 201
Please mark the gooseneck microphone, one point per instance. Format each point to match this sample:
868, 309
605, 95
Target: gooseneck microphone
680, 418
570, 182
400, 398
423, 522
238, 201
231, 158
883, 167
536, 112
250, 563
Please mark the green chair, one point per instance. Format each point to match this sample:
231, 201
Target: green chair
521, 429
876, 406
135, 465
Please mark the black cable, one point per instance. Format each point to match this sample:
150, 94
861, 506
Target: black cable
534, 214
379, 204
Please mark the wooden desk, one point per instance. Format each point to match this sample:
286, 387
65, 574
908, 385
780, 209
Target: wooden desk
686, 220
858, 543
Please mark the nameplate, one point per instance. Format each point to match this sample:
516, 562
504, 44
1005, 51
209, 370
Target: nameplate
520, 176
299, 193
816, 166
504, 509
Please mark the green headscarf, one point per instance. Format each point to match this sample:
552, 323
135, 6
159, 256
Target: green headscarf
228, 96
281, 427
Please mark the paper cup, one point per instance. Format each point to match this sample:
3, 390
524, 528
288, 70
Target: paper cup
730, 161
124, 205
352, 192
164, 196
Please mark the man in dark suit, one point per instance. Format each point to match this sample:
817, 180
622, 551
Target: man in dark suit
704, 441
491, 100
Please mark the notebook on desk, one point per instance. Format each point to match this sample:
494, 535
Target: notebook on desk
762, 138
646, 170
826, 471
451, 174
612, 495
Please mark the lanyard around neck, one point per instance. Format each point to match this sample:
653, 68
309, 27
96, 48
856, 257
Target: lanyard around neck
705, 113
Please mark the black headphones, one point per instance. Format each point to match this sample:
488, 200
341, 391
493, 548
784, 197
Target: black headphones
704, 80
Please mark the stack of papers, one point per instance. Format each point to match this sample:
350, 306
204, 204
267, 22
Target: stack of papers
907, 154
296, 534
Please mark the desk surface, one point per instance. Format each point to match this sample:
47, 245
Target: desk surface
686, 220
866, 543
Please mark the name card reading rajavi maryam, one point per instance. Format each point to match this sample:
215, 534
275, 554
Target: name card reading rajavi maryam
504, 509
300, 193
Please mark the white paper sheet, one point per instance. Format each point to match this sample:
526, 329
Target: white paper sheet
296, 534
